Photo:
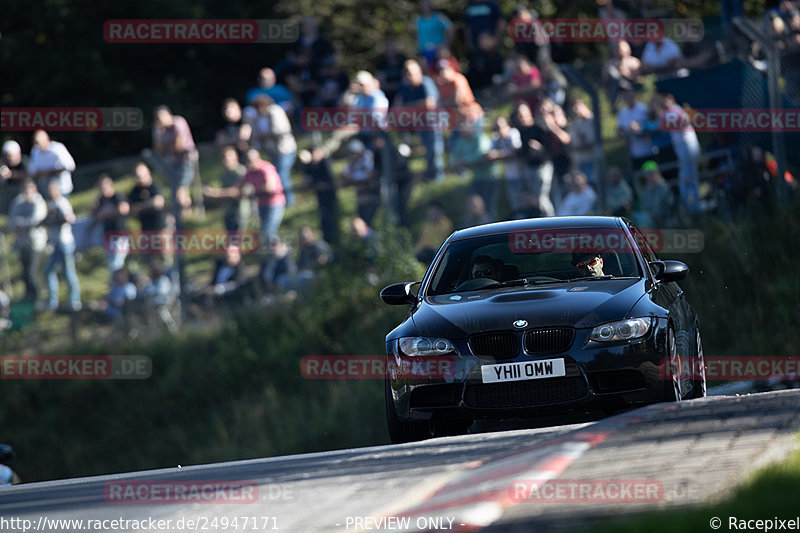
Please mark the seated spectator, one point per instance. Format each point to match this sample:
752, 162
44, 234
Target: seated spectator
313, 254
158, 287
389, 71
267, 85
526, 82
110, 209
234, 131
580, 198
506, 148
122, 291
662, 58
51, 160
621, 73
484, 63
365, 242
360, 172
436, 228
584, 148
476, 214
318, 176
434, 31
655, 199
228, 272
28, 211
278, 272
619, 195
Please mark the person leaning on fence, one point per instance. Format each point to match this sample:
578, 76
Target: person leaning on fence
173, 142
28, 211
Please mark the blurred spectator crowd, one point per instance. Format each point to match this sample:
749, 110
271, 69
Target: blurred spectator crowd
525, 142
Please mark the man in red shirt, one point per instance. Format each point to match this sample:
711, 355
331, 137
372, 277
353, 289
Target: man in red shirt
455, 93
262, 181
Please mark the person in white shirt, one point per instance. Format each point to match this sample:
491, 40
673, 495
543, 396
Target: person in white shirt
507, 147
580, 199
51, 159
661, 58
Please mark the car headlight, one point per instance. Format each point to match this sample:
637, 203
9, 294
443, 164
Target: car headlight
624, 330
425, 346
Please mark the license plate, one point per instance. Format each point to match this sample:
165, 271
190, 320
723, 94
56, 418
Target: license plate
545, 368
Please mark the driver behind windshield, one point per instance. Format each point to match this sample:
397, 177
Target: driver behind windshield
485, 267
588, 264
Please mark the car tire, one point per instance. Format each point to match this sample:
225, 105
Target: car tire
401, 431
698, 367
671, 369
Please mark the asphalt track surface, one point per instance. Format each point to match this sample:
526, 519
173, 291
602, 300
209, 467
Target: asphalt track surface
498, 478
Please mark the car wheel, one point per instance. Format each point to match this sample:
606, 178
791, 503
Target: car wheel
698, 367
401, 431
672, 369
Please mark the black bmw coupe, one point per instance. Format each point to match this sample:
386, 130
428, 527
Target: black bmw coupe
536, 317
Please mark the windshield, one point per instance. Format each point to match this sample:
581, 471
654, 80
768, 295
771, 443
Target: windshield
533, 257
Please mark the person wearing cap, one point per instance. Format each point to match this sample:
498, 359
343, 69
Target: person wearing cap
655, 198
13, 172
360, 172
588, 264
51, 160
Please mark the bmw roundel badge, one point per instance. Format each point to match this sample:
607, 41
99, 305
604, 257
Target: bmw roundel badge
520, 323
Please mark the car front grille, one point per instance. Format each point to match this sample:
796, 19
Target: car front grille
548, 341
528, 393
498, 344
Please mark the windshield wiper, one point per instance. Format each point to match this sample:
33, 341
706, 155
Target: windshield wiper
526, 281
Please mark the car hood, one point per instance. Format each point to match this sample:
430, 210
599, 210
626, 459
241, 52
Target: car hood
580, 305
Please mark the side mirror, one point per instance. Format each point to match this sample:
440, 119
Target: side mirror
669, 270
399, 294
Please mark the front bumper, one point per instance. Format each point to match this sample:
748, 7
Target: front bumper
597, 376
